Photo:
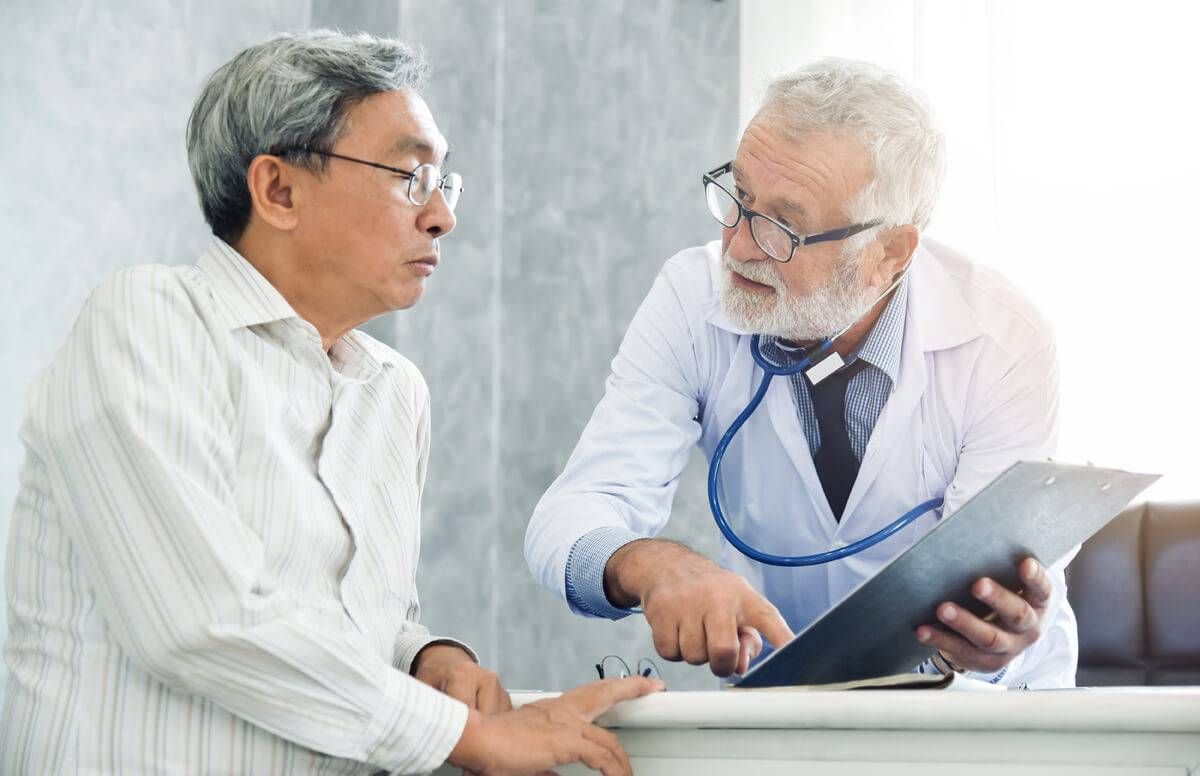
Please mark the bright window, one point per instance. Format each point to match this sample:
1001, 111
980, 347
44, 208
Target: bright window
1072, 133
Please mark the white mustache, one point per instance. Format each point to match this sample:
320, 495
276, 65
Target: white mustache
756, 271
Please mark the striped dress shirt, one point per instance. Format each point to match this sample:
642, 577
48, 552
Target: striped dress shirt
212, 558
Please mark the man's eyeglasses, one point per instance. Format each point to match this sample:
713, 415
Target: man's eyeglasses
775, 239
422, 181
613, 667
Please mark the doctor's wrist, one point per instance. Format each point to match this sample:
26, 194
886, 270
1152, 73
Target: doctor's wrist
634, 569
623, 575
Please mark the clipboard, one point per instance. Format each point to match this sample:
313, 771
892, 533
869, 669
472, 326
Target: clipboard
1038, 509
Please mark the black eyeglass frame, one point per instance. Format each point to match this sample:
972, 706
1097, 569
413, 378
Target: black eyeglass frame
411, 175
646, 666
710, 178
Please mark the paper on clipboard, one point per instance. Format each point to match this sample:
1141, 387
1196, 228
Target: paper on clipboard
1037, 509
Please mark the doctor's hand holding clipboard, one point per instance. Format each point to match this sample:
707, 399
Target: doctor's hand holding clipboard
988, 644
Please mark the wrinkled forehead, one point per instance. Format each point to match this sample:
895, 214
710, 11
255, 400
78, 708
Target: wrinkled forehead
776, 149
808, 170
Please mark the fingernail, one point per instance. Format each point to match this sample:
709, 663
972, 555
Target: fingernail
949, 613
985, 590
922, 635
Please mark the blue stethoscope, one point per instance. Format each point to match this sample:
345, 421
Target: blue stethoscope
817, 363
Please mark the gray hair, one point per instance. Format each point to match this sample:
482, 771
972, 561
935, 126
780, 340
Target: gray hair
291, 92
890, 118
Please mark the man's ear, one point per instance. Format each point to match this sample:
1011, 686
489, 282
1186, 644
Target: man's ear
272, 185
898, 243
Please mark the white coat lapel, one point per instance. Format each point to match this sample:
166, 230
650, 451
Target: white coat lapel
937, 318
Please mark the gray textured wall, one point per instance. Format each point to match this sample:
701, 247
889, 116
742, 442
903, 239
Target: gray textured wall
581, 129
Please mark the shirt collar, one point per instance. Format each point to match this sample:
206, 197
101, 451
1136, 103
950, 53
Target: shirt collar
361, 355
246, 297
882, 346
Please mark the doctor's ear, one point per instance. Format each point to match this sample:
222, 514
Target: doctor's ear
899, 243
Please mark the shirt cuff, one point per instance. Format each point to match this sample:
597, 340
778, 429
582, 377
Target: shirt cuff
585, 571
409, 645
416, 729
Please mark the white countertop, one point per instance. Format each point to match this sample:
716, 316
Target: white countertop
1172, 710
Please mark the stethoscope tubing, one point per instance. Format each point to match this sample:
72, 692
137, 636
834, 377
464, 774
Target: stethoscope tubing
770, 371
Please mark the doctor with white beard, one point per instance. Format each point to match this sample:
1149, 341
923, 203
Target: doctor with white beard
950, 376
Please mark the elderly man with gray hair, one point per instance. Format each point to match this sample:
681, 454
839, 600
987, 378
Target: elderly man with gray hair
949, 377
212, 558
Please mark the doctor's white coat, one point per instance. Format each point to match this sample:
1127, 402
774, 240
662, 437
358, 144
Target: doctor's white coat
977, 390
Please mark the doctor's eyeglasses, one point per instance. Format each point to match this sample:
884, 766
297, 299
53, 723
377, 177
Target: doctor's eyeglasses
422, 181
613, 667
775, 239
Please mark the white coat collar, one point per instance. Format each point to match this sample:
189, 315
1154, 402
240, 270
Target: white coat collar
943, 318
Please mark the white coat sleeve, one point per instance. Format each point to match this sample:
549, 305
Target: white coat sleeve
622, 476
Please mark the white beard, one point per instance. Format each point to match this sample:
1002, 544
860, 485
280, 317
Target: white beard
823, 313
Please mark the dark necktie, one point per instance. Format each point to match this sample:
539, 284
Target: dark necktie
836, 465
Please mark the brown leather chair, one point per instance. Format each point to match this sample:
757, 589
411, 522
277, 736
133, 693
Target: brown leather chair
1135, 588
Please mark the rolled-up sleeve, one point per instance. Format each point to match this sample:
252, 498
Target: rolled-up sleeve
135, 424
624, 471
